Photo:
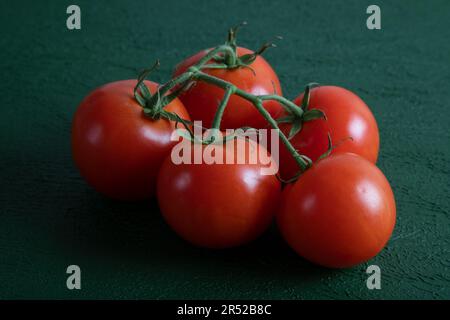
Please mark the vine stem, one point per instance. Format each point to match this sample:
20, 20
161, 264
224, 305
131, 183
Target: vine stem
230, 90
195, 73
257, 101
298, 158
186, 76
288, 105
225, 49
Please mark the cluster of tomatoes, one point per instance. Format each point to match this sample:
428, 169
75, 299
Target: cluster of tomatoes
339, 212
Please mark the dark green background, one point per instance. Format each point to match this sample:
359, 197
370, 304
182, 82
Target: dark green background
50, 218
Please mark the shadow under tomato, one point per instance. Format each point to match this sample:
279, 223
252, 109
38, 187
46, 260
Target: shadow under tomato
135, 233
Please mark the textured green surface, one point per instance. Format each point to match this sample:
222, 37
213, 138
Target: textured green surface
50, 218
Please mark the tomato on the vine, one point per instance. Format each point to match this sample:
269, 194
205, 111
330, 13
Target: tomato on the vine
202, 99
341, 212
311, 141
350, 123
117, 148
218, 205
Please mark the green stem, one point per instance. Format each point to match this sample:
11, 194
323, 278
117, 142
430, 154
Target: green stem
298, 158
174, 82
219, 113
225, 49
257, 102
186, 76
194, 73
287, 104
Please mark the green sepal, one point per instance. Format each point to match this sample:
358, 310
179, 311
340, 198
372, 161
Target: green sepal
298, 174
174, 94
307, 95
307, 159
231, 41
314, 114
330, 148
145, 92
141, 92
266, 46
247, 59
296, 127
290, 180
178, 119
139, 98
190, 135
287, 119
146, 72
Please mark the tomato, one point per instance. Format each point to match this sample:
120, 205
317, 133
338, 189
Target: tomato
339, 213
311, 141
118, 149
350, 122
217, 205
202, 99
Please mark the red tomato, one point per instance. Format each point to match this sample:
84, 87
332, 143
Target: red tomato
311, 141
341, 212
202, 100
116, 147
217, 205
347, 117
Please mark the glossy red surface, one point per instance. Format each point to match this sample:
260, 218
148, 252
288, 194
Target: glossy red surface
351, 124
218, 205
202, 100
340, 212
117, 149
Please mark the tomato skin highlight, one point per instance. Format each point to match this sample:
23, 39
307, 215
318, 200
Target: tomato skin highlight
347, 117
118, 149
217, 205
202, 99
341, 212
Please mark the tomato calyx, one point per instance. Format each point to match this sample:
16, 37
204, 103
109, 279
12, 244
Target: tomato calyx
224, 56
229, 59
153, 104
247, 59
327, 153
297, 119
156, 102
